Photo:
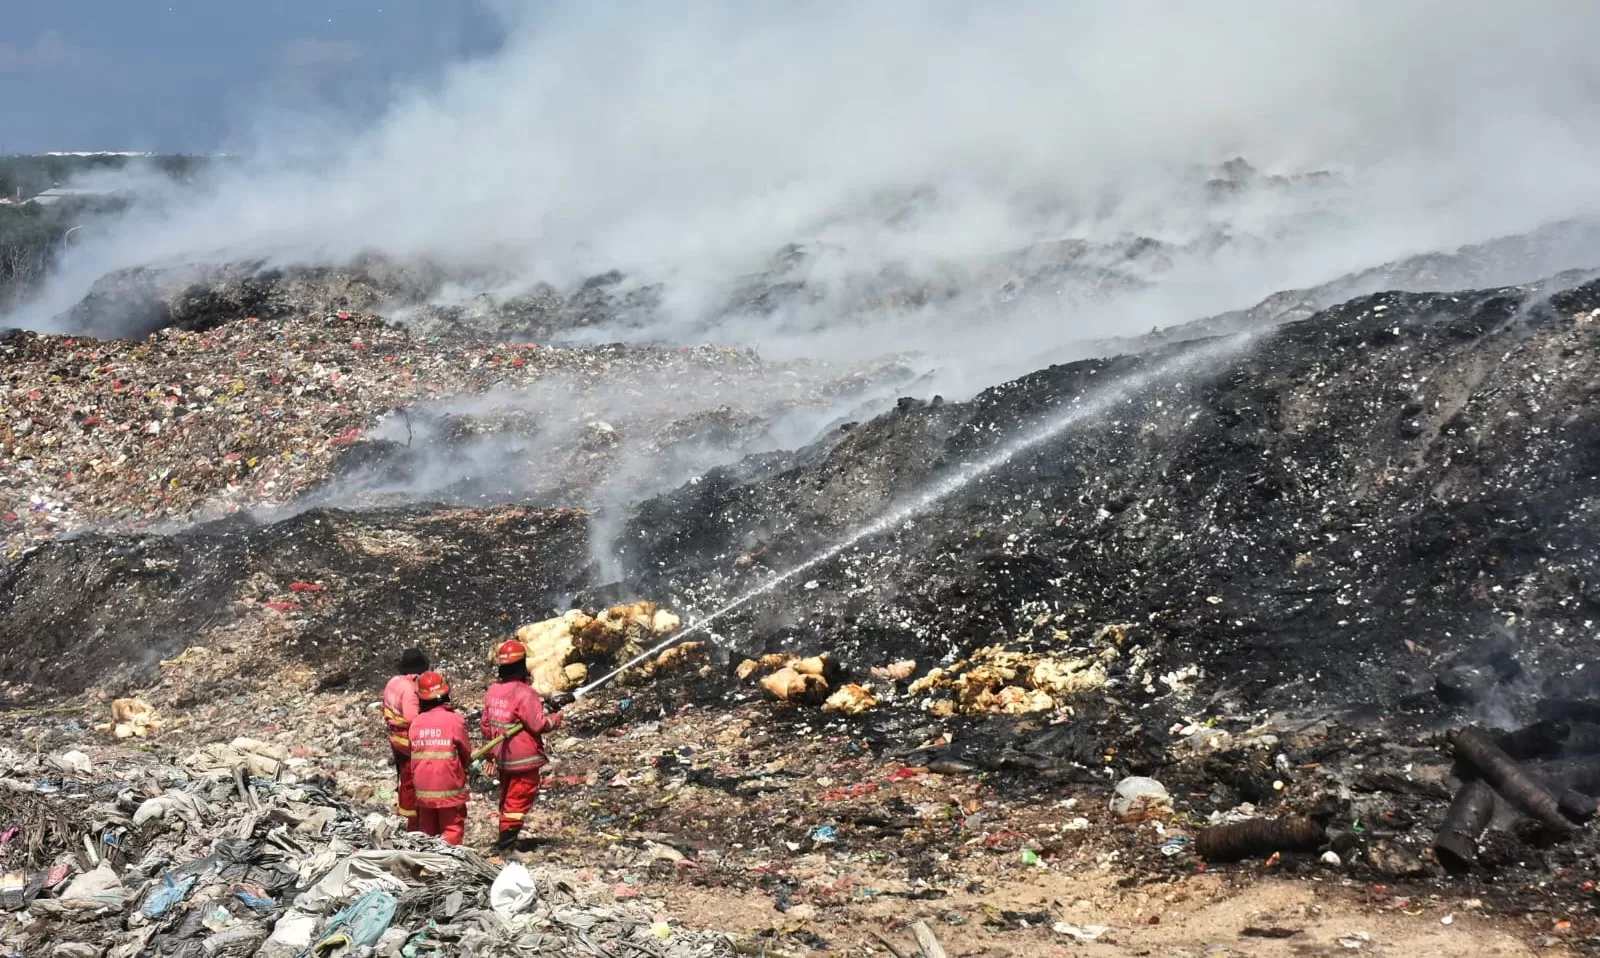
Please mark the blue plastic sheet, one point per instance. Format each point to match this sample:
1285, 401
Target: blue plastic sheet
363, 921
167, 894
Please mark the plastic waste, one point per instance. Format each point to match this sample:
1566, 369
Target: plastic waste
171, 804
254, 901
362, 923
95, 890
73, 762
1136, 795
166, 894
292, 933
1083, 933
367, 870
512, 892
235, 940
217, 919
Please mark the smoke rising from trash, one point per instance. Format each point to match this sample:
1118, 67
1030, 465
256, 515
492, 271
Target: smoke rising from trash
586, 442
927, 142
993, 187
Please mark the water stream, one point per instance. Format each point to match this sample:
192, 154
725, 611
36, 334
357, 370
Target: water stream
1082, 408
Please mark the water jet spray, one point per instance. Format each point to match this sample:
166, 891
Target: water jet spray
949, 485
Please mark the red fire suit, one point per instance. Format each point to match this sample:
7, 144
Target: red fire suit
440, 756
399, 709
520, 756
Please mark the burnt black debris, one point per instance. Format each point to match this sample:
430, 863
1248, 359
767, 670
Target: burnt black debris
1263, 529
1475, 747
1270, 520
1457, 842
352, 584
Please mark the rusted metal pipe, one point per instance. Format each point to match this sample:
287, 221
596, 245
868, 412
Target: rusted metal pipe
1577, 806
1259, 837
1456, 843
1475, 747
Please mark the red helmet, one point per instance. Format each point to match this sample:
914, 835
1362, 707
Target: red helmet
432, 687
510, 651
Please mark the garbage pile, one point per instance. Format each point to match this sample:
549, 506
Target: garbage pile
228, 851
252, 412
562, 649
1314, 517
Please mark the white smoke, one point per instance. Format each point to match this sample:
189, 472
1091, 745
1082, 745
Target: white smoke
687, 143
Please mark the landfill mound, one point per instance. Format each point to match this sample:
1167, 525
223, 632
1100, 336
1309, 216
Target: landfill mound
1322, 515
335, 586
1312, 600
258, 413
1388, 484
227, 850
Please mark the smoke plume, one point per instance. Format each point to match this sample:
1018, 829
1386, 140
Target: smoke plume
930, 159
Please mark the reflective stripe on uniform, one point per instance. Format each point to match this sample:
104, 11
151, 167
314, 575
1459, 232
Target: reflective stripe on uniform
433, 756
408, 812
513, 816
399, 741
534, 761
452, 793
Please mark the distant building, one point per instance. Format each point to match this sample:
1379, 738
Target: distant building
94, 153
58, 193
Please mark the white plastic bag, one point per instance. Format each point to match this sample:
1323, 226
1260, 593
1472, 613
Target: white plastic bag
512, 892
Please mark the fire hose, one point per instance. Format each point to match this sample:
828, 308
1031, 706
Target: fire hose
489, 746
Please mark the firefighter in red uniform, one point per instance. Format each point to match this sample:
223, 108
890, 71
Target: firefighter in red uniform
440, 757
513, 701
399, 709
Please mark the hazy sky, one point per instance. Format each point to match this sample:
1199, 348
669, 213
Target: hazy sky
190, 75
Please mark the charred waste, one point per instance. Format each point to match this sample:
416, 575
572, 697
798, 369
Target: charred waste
1313, 584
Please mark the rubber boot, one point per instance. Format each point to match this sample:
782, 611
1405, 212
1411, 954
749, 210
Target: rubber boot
507, 841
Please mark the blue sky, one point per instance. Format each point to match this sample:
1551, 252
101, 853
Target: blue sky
191, 75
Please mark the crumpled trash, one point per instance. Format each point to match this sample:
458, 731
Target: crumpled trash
512, 892
1139, 797
789, 684
240, 939
96, 890
366, 870
131, 718
359, 924
262, 759
291, 935
173, 802
895, 671
851, 699
73, 762
558, 647
166, 894
217, 918
254, 901
1084, 933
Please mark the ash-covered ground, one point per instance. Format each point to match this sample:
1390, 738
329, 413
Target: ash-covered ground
1314, 515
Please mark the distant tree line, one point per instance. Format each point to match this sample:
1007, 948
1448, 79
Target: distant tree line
27, 176
33, 234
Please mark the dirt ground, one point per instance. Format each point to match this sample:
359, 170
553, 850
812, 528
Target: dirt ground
798, 835
999, 907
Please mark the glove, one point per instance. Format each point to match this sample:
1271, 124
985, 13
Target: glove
559, 701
